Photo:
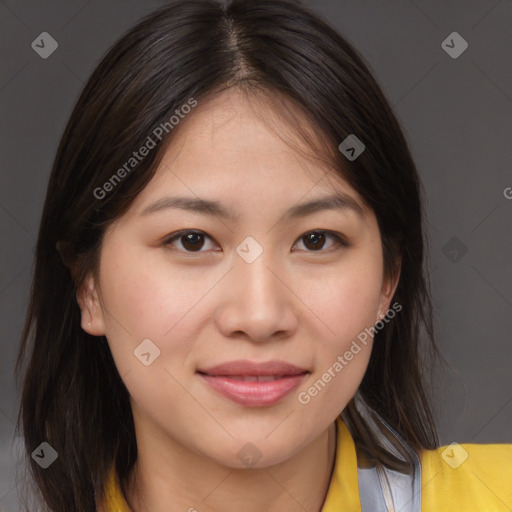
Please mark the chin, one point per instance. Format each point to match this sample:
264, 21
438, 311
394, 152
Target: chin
255, 454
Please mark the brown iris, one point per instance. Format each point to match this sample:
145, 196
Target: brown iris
192, 241
316, 239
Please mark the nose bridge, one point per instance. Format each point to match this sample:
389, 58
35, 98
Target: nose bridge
257, 302
258, 283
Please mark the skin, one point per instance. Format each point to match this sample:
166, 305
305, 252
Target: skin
293, 303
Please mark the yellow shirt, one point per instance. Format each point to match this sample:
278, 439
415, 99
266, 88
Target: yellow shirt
458, 478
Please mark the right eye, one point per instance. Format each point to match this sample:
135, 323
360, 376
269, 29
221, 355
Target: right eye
190, 240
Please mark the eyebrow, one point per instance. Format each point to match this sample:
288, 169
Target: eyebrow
337, 201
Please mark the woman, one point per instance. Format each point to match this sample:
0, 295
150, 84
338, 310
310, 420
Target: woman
229, 287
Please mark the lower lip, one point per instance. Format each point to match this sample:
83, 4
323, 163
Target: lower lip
254, 393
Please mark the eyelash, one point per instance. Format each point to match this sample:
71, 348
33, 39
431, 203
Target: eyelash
340, 240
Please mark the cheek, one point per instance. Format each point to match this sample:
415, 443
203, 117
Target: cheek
147, 295
147, 299
347, 300
347, 308
347, 305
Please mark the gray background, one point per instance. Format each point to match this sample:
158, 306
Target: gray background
457, 115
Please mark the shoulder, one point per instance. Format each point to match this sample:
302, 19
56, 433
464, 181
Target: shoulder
467, 477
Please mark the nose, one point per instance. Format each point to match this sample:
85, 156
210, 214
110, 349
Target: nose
257, 302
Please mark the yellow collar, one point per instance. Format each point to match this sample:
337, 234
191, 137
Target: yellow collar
343, 493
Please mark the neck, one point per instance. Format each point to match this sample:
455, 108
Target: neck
186, 481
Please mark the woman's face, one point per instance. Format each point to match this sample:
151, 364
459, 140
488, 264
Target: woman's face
257, 286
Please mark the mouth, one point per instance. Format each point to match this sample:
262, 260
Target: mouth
254, 384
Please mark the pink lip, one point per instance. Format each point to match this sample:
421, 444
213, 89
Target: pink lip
226, 379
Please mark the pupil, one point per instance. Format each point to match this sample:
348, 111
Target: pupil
189, 239
316, 238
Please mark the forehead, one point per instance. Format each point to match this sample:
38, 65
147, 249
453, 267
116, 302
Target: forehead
237, 122
238, 149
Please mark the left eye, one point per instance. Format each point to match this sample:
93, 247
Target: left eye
316, 240
193, 241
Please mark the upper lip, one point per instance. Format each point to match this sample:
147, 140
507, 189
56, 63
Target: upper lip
250, 368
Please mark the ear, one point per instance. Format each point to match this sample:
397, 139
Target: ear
388, 290
92, 313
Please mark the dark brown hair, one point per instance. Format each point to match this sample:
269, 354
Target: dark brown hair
72, 395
